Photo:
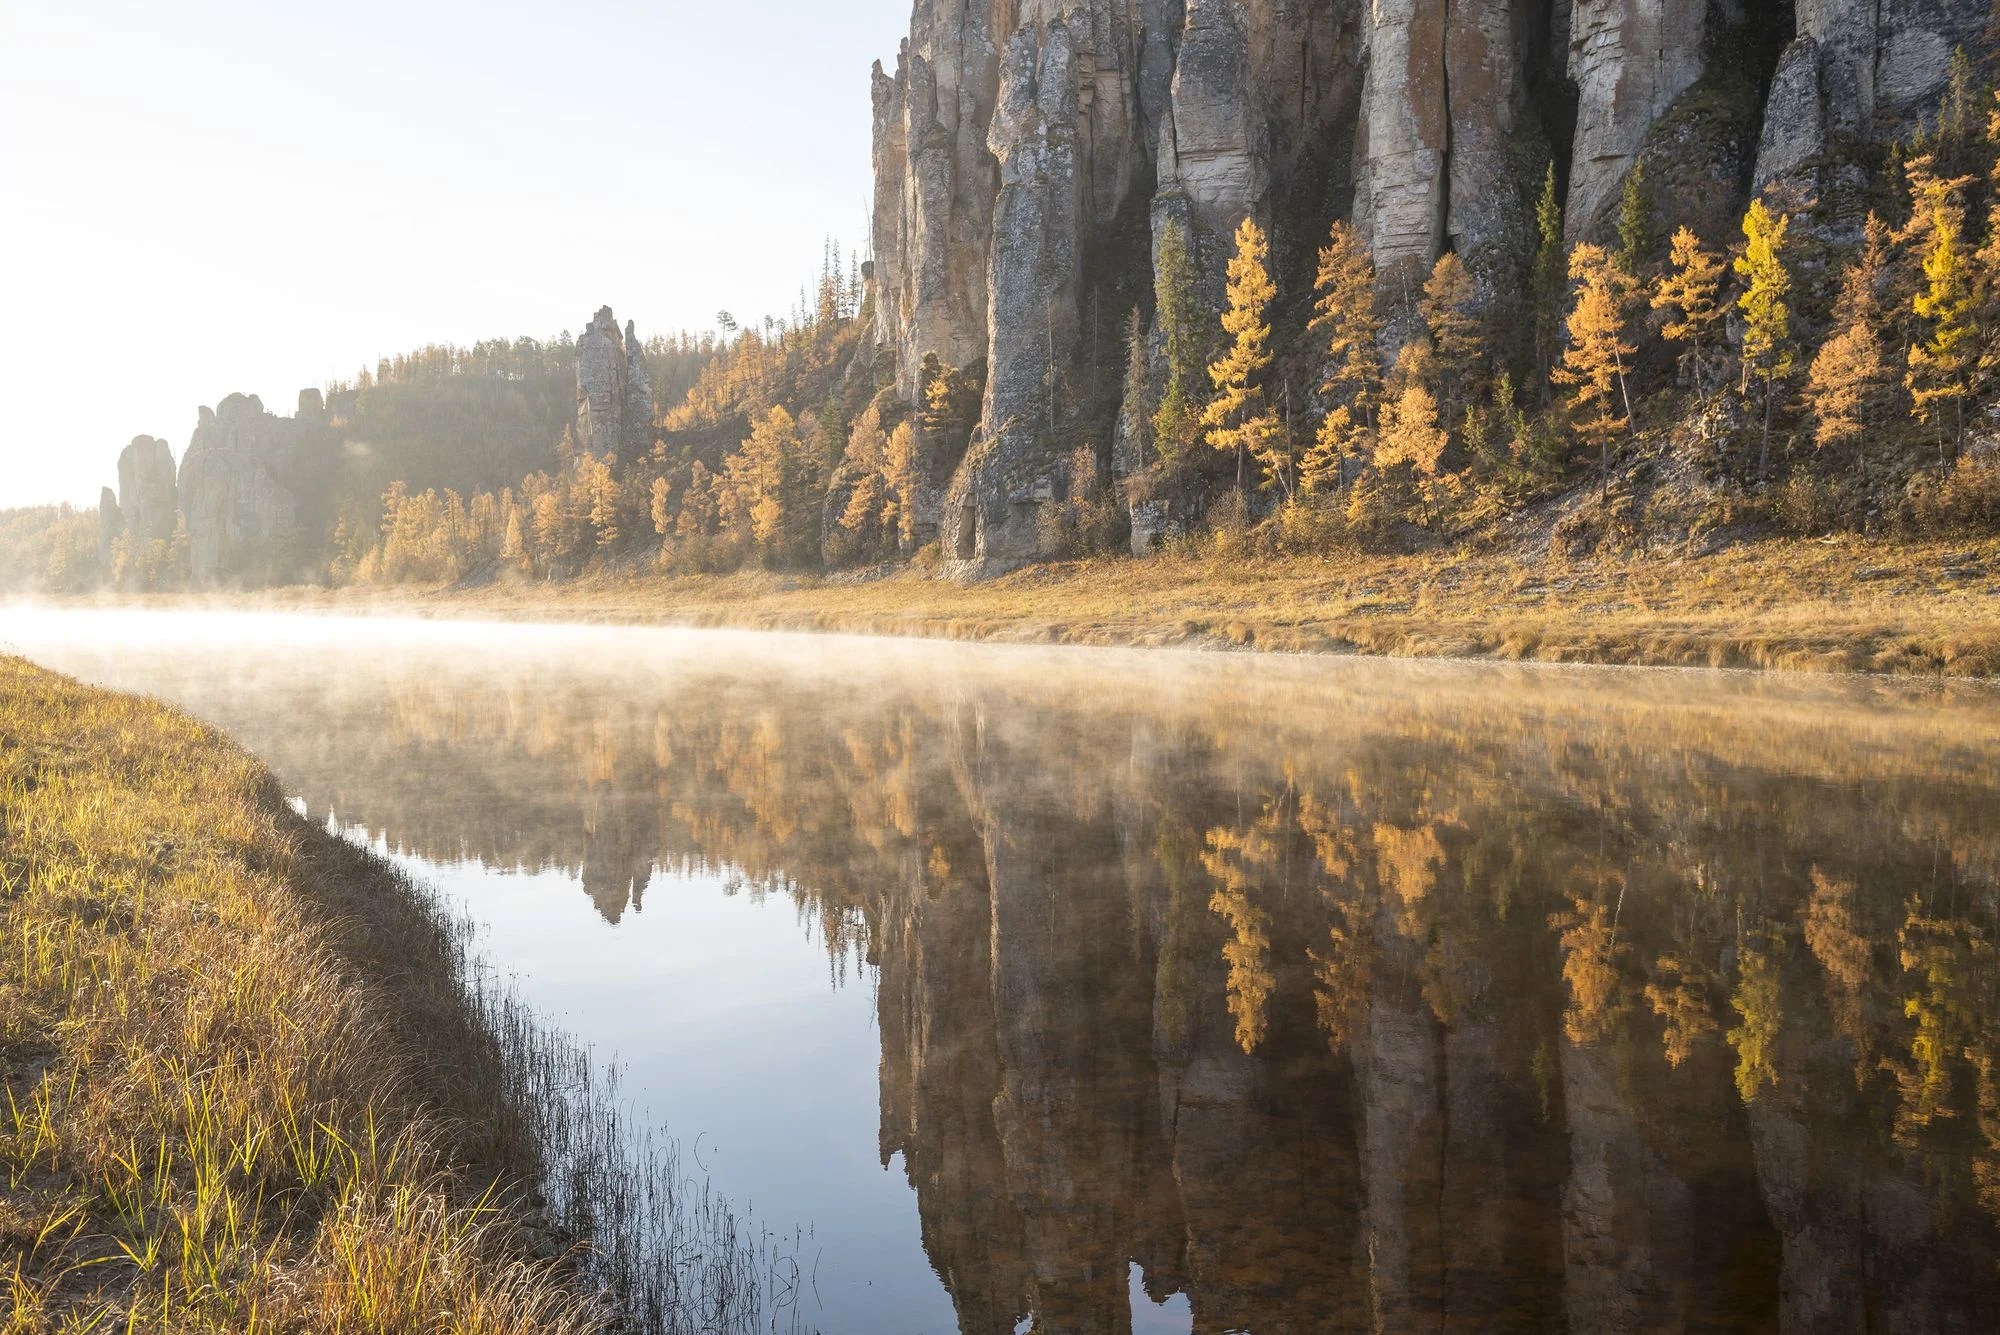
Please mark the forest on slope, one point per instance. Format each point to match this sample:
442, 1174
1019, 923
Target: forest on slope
1820, 356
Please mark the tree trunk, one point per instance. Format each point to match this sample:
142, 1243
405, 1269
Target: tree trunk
1764, 449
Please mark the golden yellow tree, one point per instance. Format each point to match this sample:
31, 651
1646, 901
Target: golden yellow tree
861, 519
1238, 418
1692, 289
1233, 858
769, 479
1410, 432
1594, 363
1679, 995
901, 468
1593, 969
1449, 308
1344, 315
1759, 1001
1767, 311
1850, 375
1941, 362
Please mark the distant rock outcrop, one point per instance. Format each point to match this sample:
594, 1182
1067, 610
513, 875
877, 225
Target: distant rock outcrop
614, 391
148, 492
241, 514
110, 526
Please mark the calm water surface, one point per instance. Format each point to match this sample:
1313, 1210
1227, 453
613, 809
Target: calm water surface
1103, 992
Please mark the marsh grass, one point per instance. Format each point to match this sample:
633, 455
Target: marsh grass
253, 1082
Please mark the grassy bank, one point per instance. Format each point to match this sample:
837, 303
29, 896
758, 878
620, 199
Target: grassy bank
245, 1091
1844, 606
250, 1086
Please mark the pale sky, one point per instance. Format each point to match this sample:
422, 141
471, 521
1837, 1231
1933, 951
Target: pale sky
207, 196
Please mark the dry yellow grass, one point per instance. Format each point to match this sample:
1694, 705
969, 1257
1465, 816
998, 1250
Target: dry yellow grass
245, 1090
1845, 606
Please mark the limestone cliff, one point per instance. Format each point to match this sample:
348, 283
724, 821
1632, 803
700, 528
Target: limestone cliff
147, 490
240, 488
1022, 147
614, 393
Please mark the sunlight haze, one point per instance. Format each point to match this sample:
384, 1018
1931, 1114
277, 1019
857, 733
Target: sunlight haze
218, 197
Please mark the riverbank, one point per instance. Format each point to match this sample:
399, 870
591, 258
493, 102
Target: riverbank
1850, 605
247, 1087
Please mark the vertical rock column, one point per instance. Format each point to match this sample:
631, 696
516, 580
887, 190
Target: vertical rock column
614, 391
147, 491
232, 487
110, 526
1403, 135
1486, 219
990, 508
934, 187
1213, 164
1630, 59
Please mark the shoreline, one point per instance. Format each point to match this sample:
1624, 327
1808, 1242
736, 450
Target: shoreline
1865, 607
258, 1076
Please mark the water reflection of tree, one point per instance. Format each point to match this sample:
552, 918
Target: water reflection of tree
1410, 1008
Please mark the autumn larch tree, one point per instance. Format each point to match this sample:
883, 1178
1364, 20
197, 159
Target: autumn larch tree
1692, 289
1449, 313
901, 468
770, 476
1941, 362
1768, 350
1237, 417
862, 518
1344, 315
1594, 363
1850, 376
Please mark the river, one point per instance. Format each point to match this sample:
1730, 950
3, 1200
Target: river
1108, 991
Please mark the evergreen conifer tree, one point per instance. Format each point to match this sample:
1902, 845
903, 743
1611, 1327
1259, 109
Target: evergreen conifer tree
1635, 222
1547, 288
1178, 315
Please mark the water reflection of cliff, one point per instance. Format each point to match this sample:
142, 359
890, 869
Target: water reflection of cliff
1386, 998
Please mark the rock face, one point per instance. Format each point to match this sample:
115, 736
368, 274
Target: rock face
147, 491
1021, 147
1442, 109
237, 489
110, 525
1629, 59
1859, 73
990, 507
614, 392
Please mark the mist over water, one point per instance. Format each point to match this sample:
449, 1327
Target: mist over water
1148, 991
